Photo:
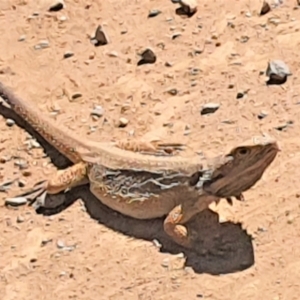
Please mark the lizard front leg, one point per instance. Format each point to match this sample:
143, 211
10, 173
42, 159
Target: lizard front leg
61, 181
181, 214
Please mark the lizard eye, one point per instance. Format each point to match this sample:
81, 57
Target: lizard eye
243, 151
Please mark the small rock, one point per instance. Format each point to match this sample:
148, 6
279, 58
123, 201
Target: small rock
26, 173
209, 108
62, 18
290, 219
21, 183
42, 45
4, 159
57, 5
34, 144
22, 164
68, 54
22, 38
284, 126
154, 13
188, 8
194, 71
265, 8
45, 242
244, 39
262, 115
277, 71
97, 111
169, 64
172, 92
100, 38
228, 121
148, 57
4, 186
240, 95
60, 244
17, 201
157, 244
176, 35
10, 122
113, 54
123, 122
20, 219
165, 263
76, 95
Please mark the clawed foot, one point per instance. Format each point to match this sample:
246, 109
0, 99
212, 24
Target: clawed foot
36, 195
238, 197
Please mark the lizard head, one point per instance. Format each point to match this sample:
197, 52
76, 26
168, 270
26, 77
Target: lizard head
243, 166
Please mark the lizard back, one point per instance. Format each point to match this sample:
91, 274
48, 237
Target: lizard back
79, 149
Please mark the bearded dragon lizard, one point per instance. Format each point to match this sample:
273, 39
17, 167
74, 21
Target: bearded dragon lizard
146, 186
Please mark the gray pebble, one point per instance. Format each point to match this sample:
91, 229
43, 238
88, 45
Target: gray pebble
10, 122
154, 13
284, 126
22, 164
68, 54
100, 38
42, 45
4, 186
21, 183
165, 263
277, 71
239, 95
57, 5
60, 244
172, 91
4, 159
20, 219
176, 35
17, 201
34, 144
76, 95
262, 114
22, 38
113, 54
148, 57
278, 67
97, 111
123, 122
209, 108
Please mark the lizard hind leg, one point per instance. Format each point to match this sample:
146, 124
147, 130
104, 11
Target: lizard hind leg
63, 180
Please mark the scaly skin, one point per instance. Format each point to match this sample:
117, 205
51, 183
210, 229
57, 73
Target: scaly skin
147, 186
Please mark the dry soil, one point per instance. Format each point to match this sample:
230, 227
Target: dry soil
86, 251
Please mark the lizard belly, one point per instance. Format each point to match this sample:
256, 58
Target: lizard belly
150, 207
138, 194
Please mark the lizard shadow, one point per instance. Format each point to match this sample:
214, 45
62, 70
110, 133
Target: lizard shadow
220, 247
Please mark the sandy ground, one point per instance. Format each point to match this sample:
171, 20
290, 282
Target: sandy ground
86, 251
